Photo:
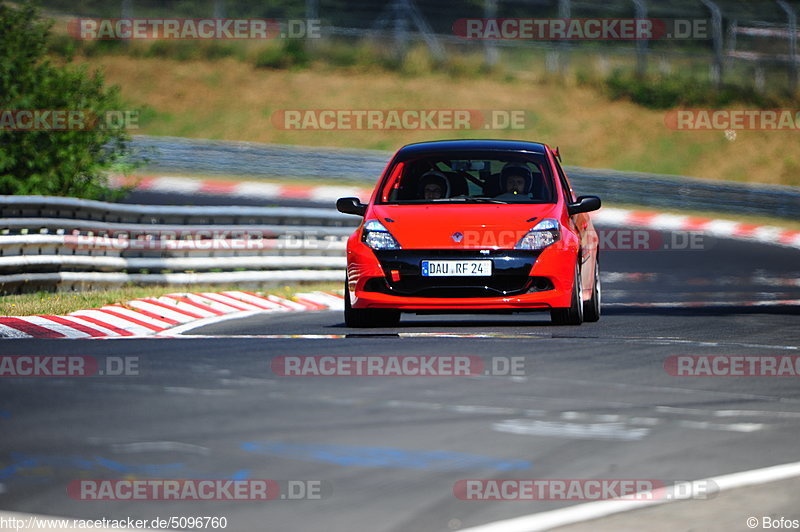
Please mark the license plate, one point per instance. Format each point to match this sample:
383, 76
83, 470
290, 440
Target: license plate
456, 268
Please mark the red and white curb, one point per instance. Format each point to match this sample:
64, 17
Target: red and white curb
165, 315
766, 234
327, 194
251, 189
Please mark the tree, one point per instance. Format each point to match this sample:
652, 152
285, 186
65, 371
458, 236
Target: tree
52, 162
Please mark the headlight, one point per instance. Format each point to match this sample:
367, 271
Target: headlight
542, 235
376, 236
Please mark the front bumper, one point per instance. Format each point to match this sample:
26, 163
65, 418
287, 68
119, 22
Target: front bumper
521, 280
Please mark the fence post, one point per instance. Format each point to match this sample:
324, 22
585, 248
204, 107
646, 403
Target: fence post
641, 44
564, 11
733, 30
792, 44
425, 30
126, 11
219, 8
312, 13
716, 28
489, 45
400, 30
553, 62
312, 9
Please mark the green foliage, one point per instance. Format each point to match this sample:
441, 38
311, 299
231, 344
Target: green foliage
61, 163
667, 92
290, 54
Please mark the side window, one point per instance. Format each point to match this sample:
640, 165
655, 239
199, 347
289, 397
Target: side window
568, 195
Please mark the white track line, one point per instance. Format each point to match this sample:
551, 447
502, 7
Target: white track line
598, 509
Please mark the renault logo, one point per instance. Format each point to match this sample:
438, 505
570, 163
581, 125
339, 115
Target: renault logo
457, 237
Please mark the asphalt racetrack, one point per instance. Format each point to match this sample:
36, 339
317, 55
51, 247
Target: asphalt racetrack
594, 401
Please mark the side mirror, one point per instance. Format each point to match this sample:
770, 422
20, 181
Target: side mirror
584, 204
351, 206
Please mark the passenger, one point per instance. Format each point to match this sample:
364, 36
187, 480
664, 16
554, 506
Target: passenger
433, 185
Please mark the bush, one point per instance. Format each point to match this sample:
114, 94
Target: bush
62, 163
291, 54
666, 92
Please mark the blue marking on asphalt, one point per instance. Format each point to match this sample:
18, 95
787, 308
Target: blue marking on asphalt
242, 474
5, 414
22, 461
22, 464
390, 457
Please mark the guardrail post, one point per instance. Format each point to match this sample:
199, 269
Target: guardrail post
553, 58
793, 72
126, 11
219, 8
489, 45
716, 29
641, 44
733, 30
312, 13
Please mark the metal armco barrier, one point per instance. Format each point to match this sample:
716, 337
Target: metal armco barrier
48, 242
363, 167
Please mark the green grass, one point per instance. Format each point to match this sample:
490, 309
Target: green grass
59, 303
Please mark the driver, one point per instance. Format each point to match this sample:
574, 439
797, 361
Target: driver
516, 178
433, 185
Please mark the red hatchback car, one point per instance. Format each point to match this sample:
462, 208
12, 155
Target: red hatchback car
472, 226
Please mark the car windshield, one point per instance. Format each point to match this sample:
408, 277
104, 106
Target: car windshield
469, 178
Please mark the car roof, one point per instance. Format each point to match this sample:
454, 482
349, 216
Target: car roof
422, 148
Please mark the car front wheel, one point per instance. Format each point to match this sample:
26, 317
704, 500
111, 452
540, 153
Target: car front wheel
572, 315
591, 309
369, 317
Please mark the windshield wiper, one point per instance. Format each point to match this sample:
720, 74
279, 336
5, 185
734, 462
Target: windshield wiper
469, 199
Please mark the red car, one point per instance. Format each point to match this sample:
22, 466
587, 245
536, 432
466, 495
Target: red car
476, 226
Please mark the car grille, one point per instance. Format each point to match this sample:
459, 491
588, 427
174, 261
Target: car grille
511, 269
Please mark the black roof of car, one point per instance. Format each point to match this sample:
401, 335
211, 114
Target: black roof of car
422, 148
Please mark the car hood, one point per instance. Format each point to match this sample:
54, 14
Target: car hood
470, 226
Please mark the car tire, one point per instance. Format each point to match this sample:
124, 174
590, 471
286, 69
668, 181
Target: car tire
591, 308
572, 315
363, 318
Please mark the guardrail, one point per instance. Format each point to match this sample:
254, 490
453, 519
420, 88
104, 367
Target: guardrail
71, 243
363, 167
